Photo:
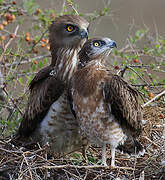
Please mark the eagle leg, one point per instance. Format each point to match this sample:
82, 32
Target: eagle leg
104, 163
113, 156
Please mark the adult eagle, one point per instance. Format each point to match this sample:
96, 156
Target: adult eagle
106, 106
47, 116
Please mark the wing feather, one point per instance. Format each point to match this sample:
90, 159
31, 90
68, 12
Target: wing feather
70, 99
44, 90
124, 104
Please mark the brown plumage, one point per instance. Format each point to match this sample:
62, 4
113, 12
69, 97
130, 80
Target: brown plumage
106, 106
47, 116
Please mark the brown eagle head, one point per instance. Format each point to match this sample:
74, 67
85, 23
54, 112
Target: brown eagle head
68, 31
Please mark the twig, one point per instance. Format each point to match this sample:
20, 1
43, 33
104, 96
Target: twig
141, 176
63, 7
8, 32
23, 154
149, 85
8, 43
26, 61
72, 166
2, 93
15, 105
84, 167
78, 177
1, 57
38, 40
9, 151
153, 99
150, 141
10, 160
139, 66
100, 175
6, 169
122, 71
72, 6
132, 69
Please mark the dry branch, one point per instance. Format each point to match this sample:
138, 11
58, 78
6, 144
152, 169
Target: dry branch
153, 99
37, 58
8, 43
85, 167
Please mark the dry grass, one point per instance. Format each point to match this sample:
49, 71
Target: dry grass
18, 163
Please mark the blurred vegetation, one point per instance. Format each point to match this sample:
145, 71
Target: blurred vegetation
24, 50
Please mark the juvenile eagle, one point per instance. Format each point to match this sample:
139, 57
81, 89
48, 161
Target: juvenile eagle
106, 106
47, 117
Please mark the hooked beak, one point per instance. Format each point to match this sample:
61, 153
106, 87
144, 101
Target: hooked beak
84, 34
112, 44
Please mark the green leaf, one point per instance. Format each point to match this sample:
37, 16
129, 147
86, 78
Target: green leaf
115, 52
106, 10
77, 156
132, 40
157, 46
92, 159
29, 78
33, 67
122, 54
45, 60
152, 65
3, 121
30, 6
20, 80
40, 64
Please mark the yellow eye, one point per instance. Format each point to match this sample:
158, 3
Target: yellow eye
96, 44
70, 28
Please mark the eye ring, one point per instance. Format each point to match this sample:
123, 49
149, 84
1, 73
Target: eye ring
96, 43
70, 28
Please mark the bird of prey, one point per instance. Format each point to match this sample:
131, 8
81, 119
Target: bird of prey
106, 106
47, 117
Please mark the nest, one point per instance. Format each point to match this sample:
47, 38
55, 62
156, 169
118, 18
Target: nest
19, 163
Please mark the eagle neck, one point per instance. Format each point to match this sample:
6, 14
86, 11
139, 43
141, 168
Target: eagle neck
65, 61
97, 63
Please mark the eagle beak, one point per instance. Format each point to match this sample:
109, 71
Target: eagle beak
112, 44
84, 34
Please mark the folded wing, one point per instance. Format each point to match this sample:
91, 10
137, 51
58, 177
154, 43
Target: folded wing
124, 104
45, 89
